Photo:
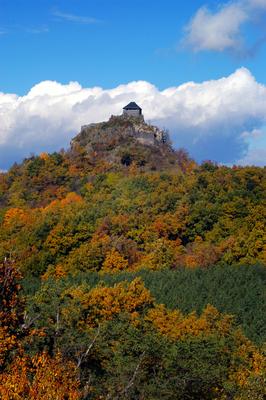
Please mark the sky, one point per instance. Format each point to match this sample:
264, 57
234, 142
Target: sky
196, 68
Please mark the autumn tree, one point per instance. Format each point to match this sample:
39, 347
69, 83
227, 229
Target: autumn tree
11, 310
40, 377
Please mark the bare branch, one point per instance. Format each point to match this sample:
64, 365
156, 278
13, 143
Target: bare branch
131, 382
84, 355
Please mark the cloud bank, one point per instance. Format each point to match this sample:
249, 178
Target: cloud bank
222, 29
213, 120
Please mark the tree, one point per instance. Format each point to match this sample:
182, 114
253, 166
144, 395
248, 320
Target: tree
11, 310
40, 377
114, 262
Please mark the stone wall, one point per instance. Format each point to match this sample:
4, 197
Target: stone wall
132, 113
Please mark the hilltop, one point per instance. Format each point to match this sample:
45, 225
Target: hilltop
126, 140
122, 144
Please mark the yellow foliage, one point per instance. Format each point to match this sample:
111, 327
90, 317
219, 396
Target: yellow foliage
114, 262
71, 198
41, 377
89, 186
58, 239
162, 253
56, 272
88, 256
176, 326
104, 303
253, 363
15, 215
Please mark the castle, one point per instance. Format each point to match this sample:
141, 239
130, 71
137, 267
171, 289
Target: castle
132, 109
137, 128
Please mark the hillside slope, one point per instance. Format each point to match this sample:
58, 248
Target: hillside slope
113, 195
110, 255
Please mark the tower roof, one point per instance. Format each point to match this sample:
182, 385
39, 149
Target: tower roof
132, 106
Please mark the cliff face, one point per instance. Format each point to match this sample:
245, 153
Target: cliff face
124, 140
122, 127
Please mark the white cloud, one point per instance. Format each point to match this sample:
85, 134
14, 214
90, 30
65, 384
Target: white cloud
216, 31
74, 18
256, 3
207, 118
37, 30
256, 156
256, 152
221, 30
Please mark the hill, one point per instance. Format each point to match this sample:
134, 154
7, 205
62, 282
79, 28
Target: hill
126, 140
139, 269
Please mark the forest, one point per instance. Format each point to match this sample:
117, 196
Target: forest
129, 278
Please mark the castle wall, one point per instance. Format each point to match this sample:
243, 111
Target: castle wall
133, 113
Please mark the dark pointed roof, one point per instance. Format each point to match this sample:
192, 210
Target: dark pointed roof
132, 106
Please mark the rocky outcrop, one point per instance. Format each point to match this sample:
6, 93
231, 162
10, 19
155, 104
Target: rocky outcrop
125, 139
122, 126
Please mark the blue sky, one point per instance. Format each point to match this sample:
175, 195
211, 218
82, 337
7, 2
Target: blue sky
128, 41
110, 43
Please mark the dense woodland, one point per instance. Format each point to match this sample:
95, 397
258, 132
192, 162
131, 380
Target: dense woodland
132, 278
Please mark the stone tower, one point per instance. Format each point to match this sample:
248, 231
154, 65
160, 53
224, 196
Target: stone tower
132, 109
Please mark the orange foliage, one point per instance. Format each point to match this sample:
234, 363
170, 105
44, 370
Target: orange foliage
74, 170
70, 198
104, 303
17, 216
41, 377
256, 366
200, 253
11, 309
177, 326
56, 272
44, 156
171, 224
114, 262
7, 343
